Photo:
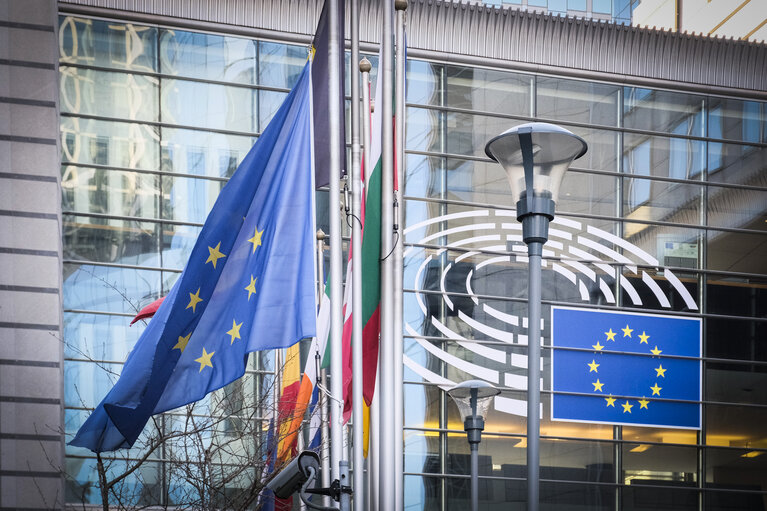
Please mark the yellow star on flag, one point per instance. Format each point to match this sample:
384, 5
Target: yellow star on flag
215, 254
194, 299
597, 346
256, 239
610, 335
627, 407
182, 342
598, 385
661, 373
610, 401
627, 331
656, 351
593, 366
234, 333
204, 360
251, 288
655, 389
643, 403
643, 338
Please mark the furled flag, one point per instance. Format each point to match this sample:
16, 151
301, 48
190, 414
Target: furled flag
248, 285
320, 80
623, 368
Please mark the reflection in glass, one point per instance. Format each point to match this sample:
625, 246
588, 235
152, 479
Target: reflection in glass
177, 244
736, 164
111, 241
107, 44
736, 383
209, 106
99, 336
467, 134
422, 493
738, 339
279, 65
421, 406
737, 296
424, 131
109, 192
734, 119
268, 104
108, 289
101, 93
671, 245
142, 488
203, 153
669, 112
736, 251
662, 201
736, 469
423, 83
650, 463
736, 207
661, 157
488, 90
188, 199
577, 101
735, 426
117, 144
207, 56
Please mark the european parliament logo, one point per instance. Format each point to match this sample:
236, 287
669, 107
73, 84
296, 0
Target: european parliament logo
624, 368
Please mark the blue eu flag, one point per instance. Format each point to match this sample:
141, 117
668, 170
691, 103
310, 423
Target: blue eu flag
623, 368
248, 285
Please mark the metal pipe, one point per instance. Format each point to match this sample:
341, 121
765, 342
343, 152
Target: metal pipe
336, 278
387, 471
474, 476
397, 257
322, 402
534, 249
357, 409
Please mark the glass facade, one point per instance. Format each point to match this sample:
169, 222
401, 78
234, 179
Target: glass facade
665, 213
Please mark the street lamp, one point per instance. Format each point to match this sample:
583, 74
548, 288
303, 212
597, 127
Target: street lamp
473, 399
535, 156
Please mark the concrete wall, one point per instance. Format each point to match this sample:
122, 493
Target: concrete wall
31, 354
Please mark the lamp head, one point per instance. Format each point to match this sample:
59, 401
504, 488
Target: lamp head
473, 398
552, 149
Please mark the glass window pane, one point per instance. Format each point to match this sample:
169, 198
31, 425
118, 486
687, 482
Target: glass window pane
488, 91
99, 336
188, 199
207, 56
279, 65
602, 6
646, 199
121, 95
736, 164
424, 130
117, 144
736, 207
177, 244
670, 245
737, 252
576, 101
421, 406
641, 435
718, 500
656, 110
209, 106
422, 452
142, 488
735, 426
203, 153
736, 383
109, 192
424, 83
645, 463
467, 134
576, 5
557, 495
107, 44
603, 147
736, 296
735, 339
737, 469
268, 104
423, 493
659, 495
662, 157
111, 241
108, 289
734, 119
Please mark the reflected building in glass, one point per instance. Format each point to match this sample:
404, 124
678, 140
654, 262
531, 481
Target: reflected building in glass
125, 119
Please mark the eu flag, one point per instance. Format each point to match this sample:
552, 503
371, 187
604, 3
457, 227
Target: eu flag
248, 285
625, 368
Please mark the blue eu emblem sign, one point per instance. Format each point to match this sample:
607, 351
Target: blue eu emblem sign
624, 368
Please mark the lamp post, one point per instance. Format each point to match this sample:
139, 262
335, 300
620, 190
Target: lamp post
535, 156
473, 399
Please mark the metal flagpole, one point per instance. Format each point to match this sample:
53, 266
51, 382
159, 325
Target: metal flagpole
371, 502
336, 288
359, 423
322, 401
387, 469
399, 132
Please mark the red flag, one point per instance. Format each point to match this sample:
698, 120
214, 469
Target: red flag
149, 310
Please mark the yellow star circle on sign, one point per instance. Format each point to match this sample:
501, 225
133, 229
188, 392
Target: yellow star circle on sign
656, 390
194, 299
598, 385
627, 407
627, 331
593, 366
656, 351
610, 401
610, 335
256, 239
251, 288
204, 360
643, 403
643, 338
215, 254
234, 333
182, 342
661, 372
597, 346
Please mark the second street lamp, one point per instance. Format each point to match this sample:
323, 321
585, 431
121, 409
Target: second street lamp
473, 399
535, 156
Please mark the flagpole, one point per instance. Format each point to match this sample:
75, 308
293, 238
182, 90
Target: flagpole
336, 288
322, 400
358, 476
397, 257
371, 502
387, 469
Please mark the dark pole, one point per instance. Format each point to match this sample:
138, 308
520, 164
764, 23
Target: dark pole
473, 425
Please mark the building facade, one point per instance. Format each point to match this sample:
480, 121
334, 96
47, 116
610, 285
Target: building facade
122, 121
